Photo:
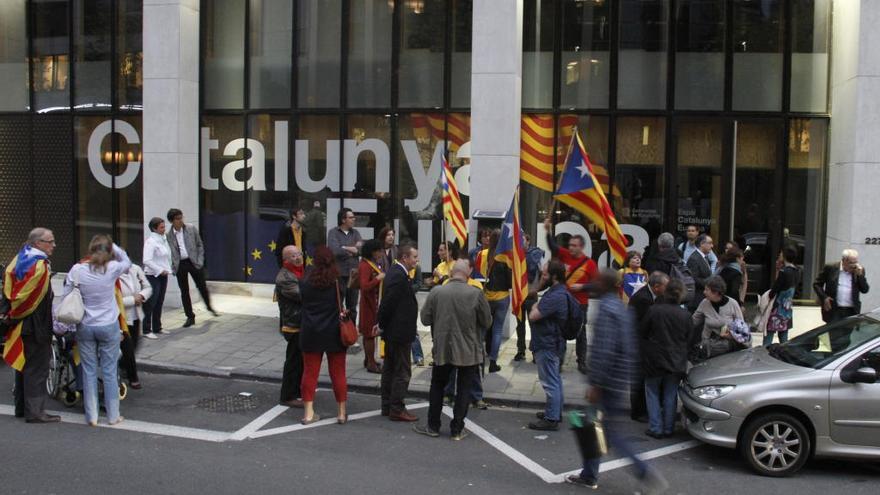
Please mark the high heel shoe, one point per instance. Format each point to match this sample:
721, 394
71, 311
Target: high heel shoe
342, 421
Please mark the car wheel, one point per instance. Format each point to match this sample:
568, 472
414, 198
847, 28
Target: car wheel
776, 444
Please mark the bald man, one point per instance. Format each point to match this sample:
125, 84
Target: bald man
289, 307
458, 314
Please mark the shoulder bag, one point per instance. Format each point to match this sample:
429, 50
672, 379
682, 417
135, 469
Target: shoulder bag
71, 309
347, 330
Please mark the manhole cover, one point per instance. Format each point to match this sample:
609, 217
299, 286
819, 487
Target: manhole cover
232, 403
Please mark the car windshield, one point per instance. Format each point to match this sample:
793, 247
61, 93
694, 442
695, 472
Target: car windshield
819, 347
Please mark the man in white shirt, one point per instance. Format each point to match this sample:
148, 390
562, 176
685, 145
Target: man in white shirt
839, 286
187, 259
687, 248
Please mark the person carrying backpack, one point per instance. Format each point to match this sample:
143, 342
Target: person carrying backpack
555, 313
666, 260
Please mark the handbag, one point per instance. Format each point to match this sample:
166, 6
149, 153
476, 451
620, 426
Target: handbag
71, 309
347, 330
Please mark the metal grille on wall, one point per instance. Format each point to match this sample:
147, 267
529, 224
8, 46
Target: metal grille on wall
53, 179
15, 182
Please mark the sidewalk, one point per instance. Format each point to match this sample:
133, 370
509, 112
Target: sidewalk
244, 342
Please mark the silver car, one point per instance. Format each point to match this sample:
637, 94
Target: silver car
814, 395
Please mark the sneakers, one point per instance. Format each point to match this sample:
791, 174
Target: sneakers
151, 336
544, 425
480, 404
459, 435
426, 430
575, 479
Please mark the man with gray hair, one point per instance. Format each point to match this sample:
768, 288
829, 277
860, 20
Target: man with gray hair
839, 286
458, 314
640, 303
664, 257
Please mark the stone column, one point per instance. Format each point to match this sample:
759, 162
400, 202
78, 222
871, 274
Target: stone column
496, 94
171, 112
854, 162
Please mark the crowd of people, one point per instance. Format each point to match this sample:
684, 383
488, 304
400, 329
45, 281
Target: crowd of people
636, 329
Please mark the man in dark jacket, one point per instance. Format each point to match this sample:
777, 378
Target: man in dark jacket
290, 309
700, 268
839, 286
398, 313
534, 256
292, 233
640, 303
665, 257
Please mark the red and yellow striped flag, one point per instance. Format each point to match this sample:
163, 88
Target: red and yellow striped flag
536, 151
456, 134
452, 210
25, 284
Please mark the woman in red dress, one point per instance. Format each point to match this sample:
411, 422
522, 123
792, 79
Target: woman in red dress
370, 275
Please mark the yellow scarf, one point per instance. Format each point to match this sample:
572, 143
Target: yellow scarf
378, 270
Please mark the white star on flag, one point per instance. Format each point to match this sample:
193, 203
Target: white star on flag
509, 228
638, 284
584, 170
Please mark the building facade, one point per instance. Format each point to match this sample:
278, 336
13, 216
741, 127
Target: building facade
734, 115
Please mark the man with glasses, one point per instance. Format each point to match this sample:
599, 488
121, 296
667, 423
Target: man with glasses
580, 270
28, 344
345, 242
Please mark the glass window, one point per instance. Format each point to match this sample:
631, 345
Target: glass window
537, 60
422, 38
318, 41
318, 145
642, 60
270, 47
756, 210
699, 157
223, 55
462, 14
51, 55
586, 34
369, 54
267, 207
807, 141
13, 56
810, 37
366, 177
92, 27
223, 209
130, 199
94, 209
130, 55
757, 55
637, 193
699, 55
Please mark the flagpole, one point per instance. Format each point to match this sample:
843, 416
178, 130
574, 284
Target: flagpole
553, 200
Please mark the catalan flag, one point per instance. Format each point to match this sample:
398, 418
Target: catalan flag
455, 130
511, 251
25, 284
536, 151
567, 125
452, 211
579, 188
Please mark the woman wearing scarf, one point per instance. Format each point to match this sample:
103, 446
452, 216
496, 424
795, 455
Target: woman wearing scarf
157, 267
371, 276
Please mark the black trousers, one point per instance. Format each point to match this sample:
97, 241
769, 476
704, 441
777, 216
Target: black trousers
439, 379
291, 377
521, 325
128, 346
580, 345
187, 268
637, 406
30, 385
396, 372
350, 296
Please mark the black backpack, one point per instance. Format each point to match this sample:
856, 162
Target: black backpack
681, 272
572, 325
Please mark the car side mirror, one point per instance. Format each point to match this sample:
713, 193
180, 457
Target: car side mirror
865, 375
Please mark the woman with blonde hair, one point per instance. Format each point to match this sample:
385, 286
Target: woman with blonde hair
99, 334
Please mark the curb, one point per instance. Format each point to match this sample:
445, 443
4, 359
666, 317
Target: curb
259, 376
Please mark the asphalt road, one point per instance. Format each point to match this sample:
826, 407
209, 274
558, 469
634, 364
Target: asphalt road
187, 434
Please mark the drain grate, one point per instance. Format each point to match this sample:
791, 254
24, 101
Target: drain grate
231, 403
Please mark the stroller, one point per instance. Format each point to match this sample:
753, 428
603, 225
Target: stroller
64, 382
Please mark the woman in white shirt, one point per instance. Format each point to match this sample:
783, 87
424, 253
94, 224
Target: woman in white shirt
135, 291
99, 334
157, 267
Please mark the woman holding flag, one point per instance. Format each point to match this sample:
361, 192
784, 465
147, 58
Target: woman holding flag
370, 275
99, 333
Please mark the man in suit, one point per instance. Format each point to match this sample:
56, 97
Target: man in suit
839, 286
700, 268
641, 302
398, 313
187, 259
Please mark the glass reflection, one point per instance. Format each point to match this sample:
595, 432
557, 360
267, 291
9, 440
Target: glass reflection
223, 54
757, 55
319, 37
810, 40
586, 35
13, 56
92, 25
270, 36
537, 60
462, 12
369, 54
422, 40
638, 175
130, 55
642, 59
698, 189
51, 56
699, 54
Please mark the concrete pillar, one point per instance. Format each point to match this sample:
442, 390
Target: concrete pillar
171, 112
854, 162
496, 95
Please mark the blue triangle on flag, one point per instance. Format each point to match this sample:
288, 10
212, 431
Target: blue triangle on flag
576, 176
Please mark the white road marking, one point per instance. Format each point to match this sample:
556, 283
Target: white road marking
258, 423
140, 426
645, 456
324, 422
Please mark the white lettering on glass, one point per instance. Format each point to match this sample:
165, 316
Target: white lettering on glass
132, 167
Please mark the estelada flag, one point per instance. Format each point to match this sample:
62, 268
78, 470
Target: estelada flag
511, 251
452, 210
25, 284
579, 188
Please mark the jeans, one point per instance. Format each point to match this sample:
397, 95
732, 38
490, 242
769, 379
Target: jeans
417, 353
661, 399
548, 374
99, 346
440, 377
184, 268
768, 339
499, 317
580, 345
612, 424
153, 305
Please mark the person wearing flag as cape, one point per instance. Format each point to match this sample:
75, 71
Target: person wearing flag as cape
28, 344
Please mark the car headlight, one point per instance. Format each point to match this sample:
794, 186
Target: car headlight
712, 392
